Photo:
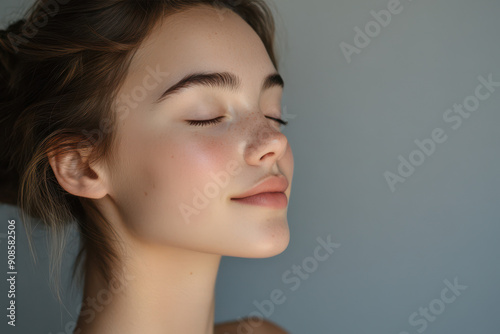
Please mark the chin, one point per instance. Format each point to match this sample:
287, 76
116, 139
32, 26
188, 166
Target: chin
273, 243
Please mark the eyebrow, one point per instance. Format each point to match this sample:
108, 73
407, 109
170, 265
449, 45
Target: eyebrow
226, 80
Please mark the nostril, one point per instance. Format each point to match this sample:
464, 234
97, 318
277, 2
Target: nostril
265, 155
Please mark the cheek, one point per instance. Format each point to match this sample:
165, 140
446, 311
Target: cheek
176, 169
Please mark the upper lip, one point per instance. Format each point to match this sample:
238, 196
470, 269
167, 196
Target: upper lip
270, 184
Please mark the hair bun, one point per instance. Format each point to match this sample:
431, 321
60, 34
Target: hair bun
6, 35
9, 178
16, 26
8, 54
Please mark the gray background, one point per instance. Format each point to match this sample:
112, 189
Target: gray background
349, 122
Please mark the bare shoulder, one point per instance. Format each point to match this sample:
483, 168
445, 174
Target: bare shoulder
231, 327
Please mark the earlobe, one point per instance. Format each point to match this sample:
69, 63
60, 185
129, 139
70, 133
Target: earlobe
76, 176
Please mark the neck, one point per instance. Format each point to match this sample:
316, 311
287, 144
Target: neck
161, 290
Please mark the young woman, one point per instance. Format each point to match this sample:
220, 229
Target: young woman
155, 126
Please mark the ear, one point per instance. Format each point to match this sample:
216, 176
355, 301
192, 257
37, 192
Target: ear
76, 176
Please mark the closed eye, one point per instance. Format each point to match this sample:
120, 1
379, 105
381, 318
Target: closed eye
218, 119
207, 122
279, 120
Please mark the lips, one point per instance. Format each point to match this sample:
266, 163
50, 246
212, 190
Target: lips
272, 184
275, 200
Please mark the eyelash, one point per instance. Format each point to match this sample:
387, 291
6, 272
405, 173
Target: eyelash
217, 120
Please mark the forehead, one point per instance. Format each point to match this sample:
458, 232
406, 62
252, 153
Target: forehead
203, 38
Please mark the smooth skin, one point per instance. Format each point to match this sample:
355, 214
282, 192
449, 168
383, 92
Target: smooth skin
161, 161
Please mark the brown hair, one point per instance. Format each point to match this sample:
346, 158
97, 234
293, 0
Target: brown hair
60, 68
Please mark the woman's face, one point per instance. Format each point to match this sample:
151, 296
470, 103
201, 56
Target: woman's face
173, 180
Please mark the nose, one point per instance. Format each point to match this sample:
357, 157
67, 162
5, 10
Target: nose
266, 145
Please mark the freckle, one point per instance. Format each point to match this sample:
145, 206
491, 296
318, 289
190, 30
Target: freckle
171, 156
190, 273
145, 193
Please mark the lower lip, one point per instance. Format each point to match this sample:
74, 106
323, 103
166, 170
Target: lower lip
272, 200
